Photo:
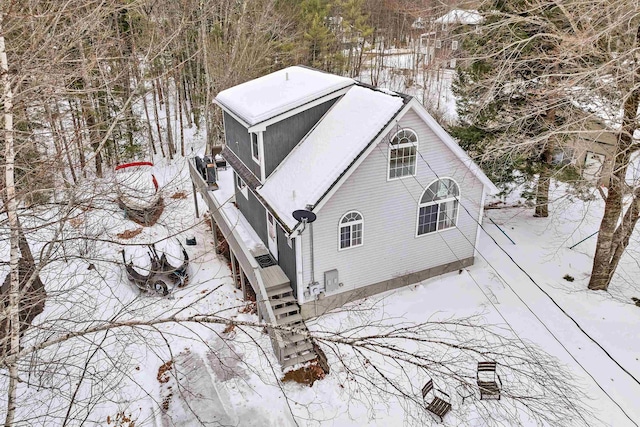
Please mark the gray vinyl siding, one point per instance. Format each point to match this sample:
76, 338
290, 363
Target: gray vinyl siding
287, 258
254, 212
390, 247
281, 137
241, 201
238, 139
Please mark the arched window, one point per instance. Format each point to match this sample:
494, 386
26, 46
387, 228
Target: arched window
438, 209
402, 154
351, 228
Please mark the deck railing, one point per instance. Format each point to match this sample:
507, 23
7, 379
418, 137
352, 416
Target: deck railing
246, 260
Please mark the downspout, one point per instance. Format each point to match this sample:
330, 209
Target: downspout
313, 279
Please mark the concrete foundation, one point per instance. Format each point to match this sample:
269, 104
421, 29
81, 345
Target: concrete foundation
327, 303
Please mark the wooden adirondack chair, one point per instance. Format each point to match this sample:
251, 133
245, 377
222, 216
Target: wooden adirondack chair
488, 381
438, 405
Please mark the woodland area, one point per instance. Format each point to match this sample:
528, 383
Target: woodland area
88, 78
89, 84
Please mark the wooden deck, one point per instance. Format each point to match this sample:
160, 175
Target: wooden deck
270, 284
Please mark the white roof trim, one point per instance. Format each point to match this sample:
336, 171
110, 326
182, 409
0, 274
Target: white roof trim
262, 126
436, 128
453, 146
270, 95
356, 164
231, 113
329, 149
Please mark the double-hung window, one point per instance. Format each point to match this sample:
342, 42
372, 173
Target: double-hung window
255, 149
438, 209
350, 230
242, 186
402, 154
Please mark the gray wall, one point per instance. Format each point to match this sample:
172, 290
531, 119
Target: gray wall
239, 141
287, 258
254, 212
390, 246
280, 138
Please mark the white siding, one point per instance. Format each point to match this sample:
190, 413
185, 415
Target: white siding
391, 248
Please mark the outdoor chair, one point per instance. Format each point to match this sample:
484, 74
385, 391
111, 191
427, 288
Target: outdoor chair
488, 381
438, 405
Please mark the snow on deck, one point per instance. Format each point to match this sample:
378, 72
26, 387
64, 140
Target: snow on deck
265, 97
225, 196
310, 169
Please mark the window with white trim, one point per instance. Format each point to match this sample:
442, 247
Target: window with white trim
454, 45
402, 154
242, 186
438, 209
255, 149
351, 229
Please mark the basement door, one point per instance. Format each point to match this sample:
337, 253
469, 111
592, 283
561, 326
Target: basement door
272, 235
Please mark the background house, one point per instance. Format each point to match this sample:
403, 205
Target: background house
591, 152
442, 42
396, 199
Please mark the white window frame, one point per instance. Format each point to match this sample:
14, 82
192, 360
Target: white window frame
455, 199
454, 44
438, 44
255, 155
241, 185
350, 224
400, 146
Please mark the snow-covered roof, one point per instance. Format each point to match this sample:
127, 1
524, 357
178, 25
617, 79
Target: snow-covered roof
459, 16
268, 96
328, 150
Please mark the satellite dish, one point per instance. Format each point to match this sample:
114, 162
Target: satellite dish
303, 215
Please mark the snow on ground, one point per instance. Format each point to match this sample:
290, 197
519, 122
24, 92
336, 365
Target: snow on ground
495, 287
399, 73
229, 375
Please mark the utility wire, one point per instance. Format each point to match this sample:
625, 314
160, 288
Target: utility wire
545, 293
457, 198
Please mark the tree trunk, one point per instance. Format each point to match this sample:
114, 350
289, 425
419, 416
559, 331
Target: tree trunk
542, 187
77, 132
89, 114
178, 83
157, 117
65, 142
167, 110
149, 131
613, 238
13, 310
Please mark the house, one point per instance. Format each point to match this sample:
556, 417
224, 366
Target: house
389, 199
591, 152
443, 44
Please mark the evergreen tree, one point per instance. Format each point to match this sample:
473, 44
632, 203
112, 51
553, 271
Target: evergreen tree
514, 113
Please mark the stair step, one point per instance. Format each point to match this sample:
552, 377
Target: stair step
290, 320
281, 291
300, 347
282, 300
298, 359
293, 338
288, 310
273, 276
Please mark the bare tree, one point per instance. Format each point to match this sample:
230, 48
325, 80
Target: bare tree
81, 353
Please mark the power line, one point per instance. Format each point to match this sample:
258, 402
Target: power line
542, 290
457, 198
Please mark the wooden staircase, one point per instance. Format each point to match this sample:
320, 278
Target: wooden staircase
296, 347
